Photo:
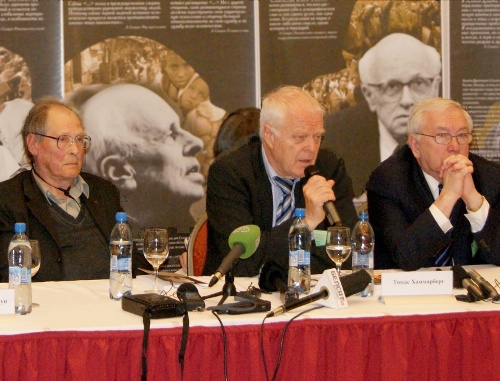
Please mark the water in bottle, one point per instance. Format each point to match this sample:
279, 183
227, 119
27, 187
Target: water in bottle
120, 248
363, 243
299, 240
19, 254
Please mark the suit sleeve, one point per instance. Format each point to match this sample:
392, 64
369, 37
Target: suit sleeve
232, 201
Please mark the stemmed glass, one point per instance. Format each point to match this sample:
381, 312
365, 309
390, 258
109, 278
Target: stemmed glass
155, 251
36, 261
338, 245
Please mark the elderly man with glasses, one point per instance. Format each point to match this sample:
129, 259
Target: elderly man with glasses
396, 73
70, 213
433, 203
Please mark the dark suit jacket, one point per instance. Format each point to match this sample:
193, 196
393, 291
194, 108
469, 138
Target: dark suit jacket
21, 200
353, 135
406, 234
240, 193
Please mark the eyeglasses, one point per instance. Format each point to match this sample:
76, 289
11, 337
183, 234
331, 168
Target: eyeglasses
392, 90
66, 141
445, 138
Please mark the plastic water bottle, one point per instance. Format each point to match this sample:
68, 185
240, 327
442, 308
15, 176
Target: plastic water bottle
20, 269
120, 248
363, 243
299, 241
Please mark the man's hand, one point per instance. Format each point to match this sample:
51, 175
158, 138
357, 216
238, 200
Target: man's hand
456, 172
317, 191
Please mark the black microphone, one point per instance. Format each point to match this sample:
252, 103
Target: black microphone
273, 278
459, 274
329, 206
473, 289
485, 286
351, 284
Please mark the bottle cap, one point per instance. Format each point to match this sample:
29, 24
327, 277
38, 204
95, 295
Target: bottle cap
363, 215
19, 227
300, 212
121, 217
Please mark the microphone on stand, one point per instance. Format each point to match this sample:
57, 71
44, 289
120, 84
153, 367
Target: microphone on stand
351, 284
272, 278
485, 286
461, 278
243, 242
329, 206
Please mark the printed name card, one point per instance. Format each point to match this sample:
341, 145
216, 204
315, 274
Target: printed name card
7, 306
418, 287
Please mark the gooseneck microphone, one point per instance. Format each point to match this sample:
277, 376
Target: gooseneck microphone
461, 278
65, 191
329, 206
351, 284
243, 242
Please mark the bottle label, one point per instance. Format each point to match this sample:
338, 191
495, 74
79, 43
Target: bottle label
300, 258
19, 275
121, 265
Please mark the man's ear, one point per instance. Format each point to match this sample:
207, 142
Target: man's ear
31, 140
118, 169
413, 143
268, 135
370, 97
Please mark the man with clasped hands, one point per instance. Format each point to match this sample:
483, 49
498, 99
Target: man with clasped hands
242, 188
433, 203
70, 213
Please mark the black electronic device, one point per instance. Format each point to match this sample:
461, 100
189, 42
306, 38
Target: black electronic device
189, 295
157, 306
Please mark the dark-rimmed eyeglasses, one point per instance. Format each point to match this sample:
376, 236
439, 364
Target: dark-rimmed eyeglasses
66, 141
445, 138
392, 90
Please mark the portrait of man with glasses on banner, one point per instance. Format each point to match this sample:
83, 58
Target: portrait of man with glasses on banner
69, 212
396, 73
433, 203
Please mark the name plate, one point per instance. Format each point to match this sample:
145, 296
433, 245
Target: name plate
418, 287
7, 305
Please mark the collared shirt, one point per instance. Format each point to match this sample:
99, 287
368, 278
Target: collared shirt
277, 193
477, 219
67, 204
387, 143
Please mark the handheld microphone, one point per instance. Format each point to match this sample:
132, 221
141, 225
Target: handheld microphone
485, 286
351, 284
473, 289
243, 242
329, 206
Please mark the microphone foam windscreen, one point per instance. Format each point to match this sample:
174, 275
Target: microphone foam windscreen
269, 273
355, 282
248, 236
310, 171
459, 274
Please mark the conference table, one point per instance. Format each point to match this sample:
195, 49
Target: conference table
76, 332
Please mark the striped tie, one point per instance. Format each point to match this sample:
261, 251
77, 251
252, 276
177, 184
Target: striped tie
443, 259
284, 211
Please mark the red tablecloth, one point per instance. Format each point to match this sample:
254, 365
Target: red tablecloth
455, 346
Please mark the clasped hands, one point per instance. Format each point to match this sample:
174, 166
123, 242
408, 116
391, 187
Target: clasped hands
456, 174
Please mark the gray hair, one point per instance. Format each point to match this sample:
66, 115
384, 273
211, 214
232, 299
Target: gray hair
36, 120
438, 105
283, 102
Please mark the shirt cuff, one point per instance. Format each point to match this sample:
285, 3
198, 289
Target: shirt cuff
443, 221
478, 218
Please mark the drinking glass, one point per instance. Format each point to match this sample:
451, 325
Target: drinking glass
36, 259
338, 245
155, 250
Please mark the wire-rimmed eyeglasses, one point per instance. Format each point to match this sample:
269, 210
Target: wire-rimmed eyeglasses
392, 90
445, 137
66, 141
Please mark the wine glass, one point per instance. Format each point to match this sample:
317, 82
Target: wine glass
338, 245
36, 261
155, 250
